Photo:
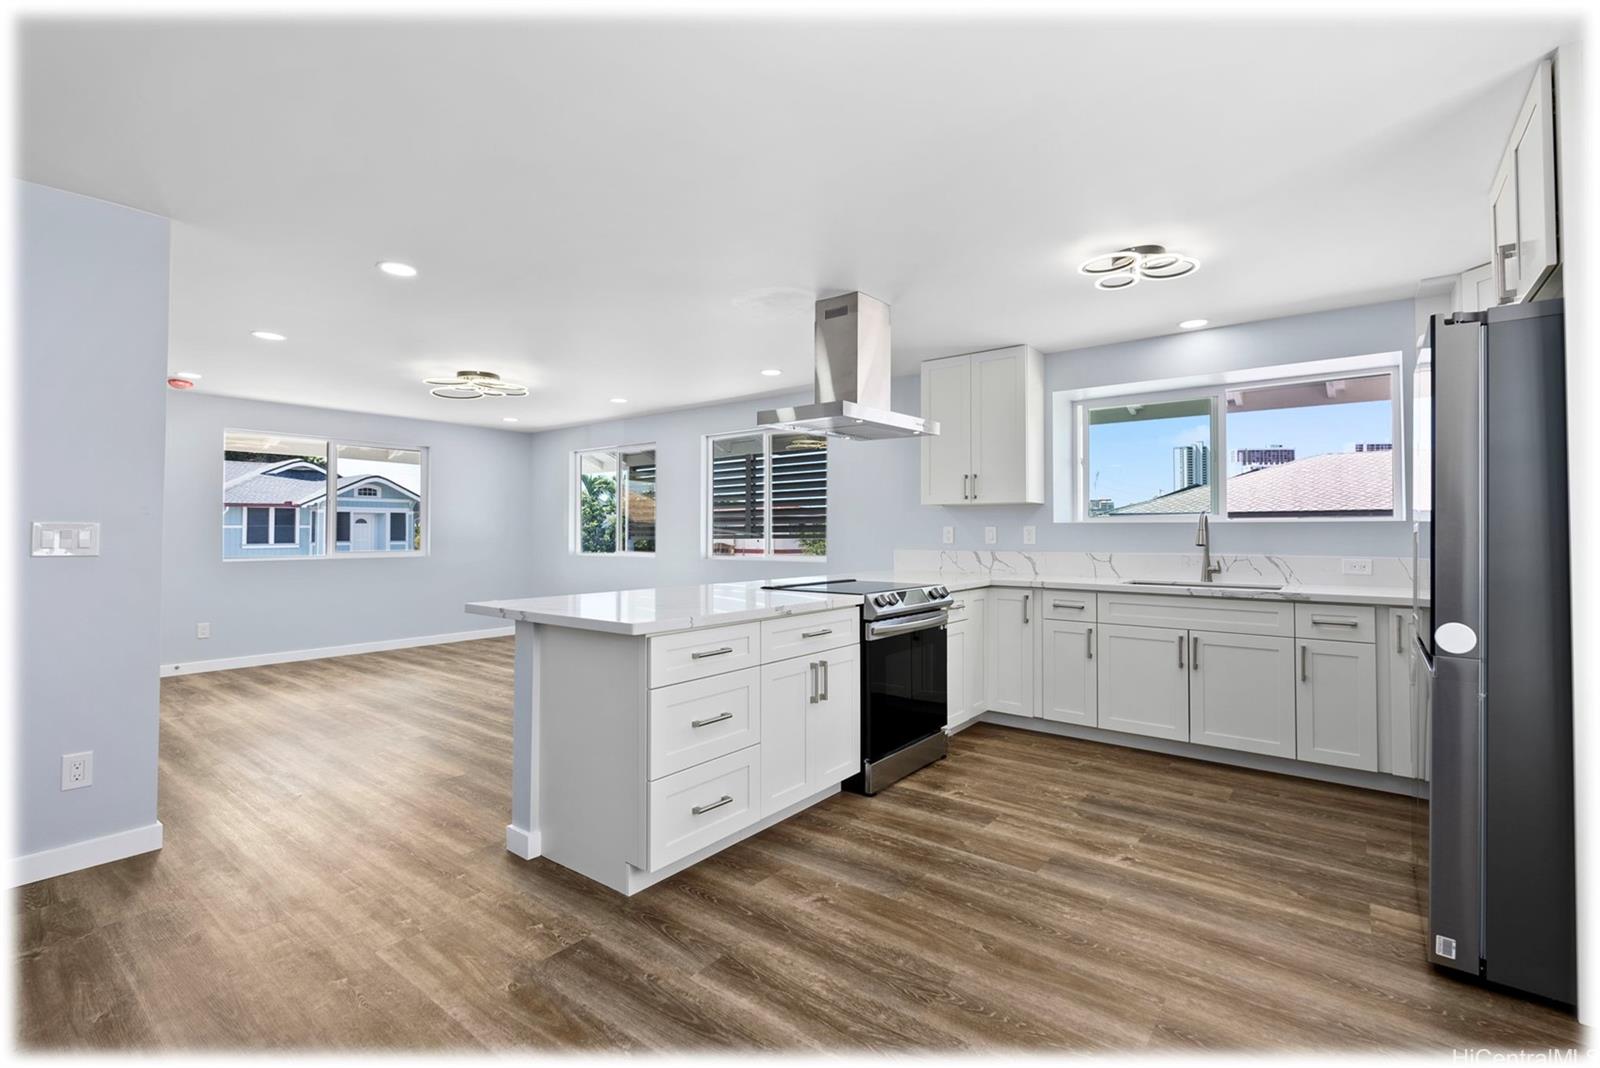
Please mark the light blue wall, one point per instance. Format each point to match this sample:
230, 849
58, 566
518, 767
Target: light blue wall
91, 312
873, 486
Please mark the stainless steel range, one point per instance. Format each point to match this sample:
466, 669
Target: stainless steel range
904, 703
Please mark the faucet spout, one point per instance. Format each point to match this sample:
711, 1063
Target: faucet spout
1202, 538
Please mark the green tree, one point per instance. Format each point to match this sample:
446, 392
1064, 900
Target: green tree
597, 518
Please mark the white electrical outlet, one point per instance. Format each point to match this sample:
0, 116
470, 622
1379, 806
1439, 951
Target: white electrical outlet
202, 630
1361, 566
1030, 535
77, 770
949, 535
988, 535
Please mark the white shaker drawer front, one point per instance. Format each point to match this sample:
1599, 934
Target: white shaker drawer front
694, 654
811, 633
694, 808
1232, 615
694, 721
1339, 622
964, 603
1072, 605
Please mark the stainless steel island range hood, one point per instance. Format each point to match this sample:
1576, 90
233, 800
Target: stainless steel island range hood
853, 371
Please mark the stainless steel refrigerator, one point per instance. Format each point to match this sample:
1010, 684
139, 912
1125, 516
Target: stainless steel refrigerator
1502, 895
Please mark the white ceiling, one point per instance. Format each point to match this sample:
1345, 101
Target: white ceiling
646, 209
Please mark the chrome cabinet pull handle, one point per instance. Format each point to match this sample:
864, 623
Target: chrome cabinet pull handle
817, 633
1305, 675
1399, 634
1327, 621
710, 720
1181, 643
724, 651
1025, 599
1067, 604
1088, 644
958, 606
964, 495
812, 697
700, 810
1194, 652
824, 696
974, 485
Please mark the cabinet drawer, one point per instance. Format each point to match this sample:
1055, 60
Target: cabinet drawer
692, 722
963, 604
1232, 615
1073, 605
708, 802
694, 654
810, 633
1339, 622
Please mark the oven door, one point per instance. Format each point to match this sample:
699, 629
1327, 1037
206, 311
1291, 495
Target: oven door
903, 681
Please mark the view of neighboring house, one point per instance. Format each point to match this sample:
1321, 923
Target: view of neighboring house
1333, 484
277, 509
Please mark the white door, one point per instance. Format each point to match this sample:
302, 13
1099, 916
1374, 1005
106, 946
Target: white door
1009, 653
1241, 692
977, 693
947, 456
958, 651
1143, 680
363, 533
999, 457
788, 690
833, 724
1337, 704
1067, 672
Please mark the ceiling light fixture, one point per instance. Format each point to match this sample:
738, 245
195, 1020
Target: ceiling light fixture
619, 400
178, 382
470, 385
193, 376
772, 372
396, 268
509, 419
1193, 324
267, 335
1125, 267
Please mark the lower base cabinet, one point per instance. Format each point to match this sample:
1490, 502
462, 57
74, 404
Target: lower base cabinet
1143, 685
810, 725
1241, 692
1009, 651
1070, 691
1337, 697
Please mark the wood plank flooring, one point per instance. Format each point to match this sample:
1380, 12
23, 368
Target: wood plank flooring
334, 877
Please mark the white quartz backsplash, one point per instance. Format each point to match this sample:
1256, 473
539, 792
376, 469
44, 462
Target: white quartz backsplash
1388, 572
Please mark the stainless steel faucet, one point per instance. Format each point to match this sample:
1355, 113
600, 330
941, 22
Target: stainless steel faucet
1202, 538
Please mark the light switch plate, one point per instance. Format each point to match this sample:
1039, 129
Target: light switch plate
1030, 535
66, 539
988, 535
949, 535
1362, 566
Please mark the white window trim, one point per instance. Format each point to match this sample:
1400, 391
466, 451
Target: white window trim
575, 508
327, 549
766, 556
272, 541
1215, 388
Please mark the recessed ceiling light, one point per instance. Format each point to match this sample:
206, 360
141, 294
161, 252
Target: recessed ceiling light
1192, 324
267, 335
509, 419
193, 376
772, 372
396, 268
180, 383
619, 400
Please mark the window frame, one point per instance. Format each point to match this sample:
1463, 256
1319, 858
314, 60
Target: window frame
272, 541
1215, 389
575, 502
707, 527
327, 548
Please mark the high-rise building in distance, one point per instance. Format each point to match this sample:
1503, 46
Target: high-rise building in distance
1191, 466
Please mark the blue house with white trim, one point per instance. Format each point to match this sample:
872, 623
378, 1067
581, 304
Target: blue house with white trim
278, 509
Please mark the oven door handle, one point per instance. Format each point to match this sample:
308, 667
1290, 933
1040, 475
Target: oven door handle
888, 628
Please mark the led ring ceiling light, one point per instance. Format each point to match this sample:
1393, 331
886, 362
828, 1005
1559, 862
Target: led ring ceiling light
1124, 268
470, 385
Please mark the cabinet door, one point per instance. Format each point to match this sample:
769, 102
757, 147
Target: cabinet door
958, 651
1009, 659
947, 456
1397, 741
1143, 680
977, 671
999, 421
1337, 704
833, 722
1522, 197
1067, 670
1241, 692
788, 692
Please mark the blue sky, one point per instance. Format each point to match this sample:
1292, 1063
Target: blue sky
1131, 462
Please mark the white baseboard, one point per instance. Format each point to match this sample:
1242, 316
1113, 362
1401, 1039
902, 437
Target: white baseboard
524, 844
48, 863
195, 667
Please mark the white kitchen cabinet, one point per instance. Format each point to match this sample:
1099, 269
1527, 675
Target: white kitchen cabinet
1336, 703
1241, 692
958, 651
990, 411
810, 725
1522, 197
1473, 290
968, 697
1009, 650
1399, 741
1143, 680
1068, 679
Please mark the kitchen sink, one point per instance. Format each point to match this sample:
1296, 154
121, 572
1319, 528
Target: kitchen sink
1205, 585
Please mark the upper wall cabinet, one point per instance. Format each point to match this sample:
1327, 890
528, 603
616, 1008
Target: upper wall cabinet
990, 445
1522, 200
